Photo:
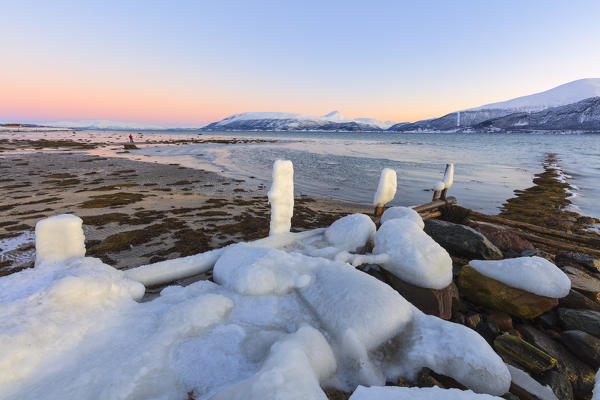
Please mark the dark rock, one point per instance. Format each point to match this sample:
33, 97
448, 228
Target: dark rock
462, 240
559, 383
549, 320
583, 345
487, 330
473, 320
583, 282
573, 258
510, 396
503, 239
430, 301
578, 373
519, 352
502, 320
425, 379
577, 301
539, 253
496, 295
130, 146
580, 320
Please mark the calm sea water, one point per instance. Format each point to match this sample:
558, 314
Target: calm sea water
346, 166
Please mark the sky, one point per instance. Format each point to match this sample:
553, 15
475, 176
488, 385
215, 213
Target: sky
188, 63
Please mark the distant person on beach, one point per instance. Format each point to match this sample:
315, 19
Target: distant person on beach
130, 138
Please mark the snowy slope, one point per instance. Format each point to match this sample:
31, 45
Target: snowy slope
567, 93
290, 121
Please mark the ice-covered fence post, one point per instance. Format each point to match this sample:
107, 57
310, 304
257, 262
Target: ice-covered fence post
58, 239
386, 190
448, 179
281, 197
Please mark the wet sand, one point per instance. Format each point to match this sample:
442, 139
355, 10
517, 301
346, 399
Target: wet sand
134, 212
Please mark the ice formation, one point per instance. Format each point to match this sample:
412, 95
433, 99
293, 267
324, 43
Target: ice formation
414, 393
596, 391
438, 186
530, 385
386, 190
58, 239
281, 196
449, 176
532, 274
277, 324
402, 213
351, 232
414, 256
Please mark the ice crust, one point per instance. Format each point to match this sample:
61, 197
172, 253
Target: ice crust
414, 393
277, 324
281, 196
449, 177
402, 213
532, 274
414, 256
351, 232
523, 380
596, 390
386, 190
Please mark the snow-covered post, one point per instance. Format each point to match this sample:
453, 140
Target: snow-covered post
448, 179
386, 190
58, 239
281, 197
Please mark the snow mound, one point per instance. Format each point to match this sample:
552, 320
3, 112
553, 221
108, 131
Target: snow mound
402, 213
532, 274
293, 370
281, 196
351, 232
386, 190
58, 239
414, 256
415, 393
259, 271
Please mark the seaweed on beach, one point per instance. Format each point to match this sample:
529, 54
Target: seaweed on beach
111, 200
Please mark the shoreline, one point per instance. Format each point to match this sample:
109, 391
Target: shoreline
137, 212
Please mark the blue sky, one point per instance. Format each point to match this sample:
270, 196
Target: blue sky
191, 62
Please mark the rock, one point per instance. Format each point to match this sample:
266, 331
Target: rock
510, 396
488, 331
494, 294
583, 345
462, 240
130, 146
517, 351
573, 258
577, 301
473, 320
578, 373
583, 282
503, 239
502, 320
559, 383
581, 320
430, 301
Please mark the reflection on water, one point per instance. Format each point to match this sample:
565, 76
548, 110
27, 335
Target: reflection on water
347, 165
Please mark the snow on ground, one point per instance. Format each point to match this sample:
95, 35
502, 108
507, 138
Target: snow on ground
404, 393
402, 213
532, 274
415, 257
276, 324
9, 245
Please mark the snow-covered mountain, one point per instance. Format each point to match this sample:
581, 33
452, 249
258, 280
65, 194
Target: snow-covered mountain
278, 121
562, 95
583, 115
103, 125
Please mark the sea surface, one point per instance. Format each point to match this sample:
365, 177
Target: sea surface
346, 166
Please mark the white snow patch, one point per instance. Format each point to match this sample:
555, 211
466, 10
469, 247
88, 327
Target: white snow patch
449, 176
532, 274
402, 213
530, 385
415, 257
351, 232
386, 190
596, 390
415, 393
281, 196
59, 239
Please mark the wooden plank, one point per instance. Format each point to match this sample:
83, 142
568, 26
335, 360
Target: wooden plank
432, 205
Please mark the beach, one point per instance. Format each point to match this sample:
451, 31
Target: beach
134, 212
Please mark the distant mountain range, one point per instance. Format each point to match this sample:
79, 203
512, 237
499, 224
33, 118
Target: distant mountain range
572, 106
276, 121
